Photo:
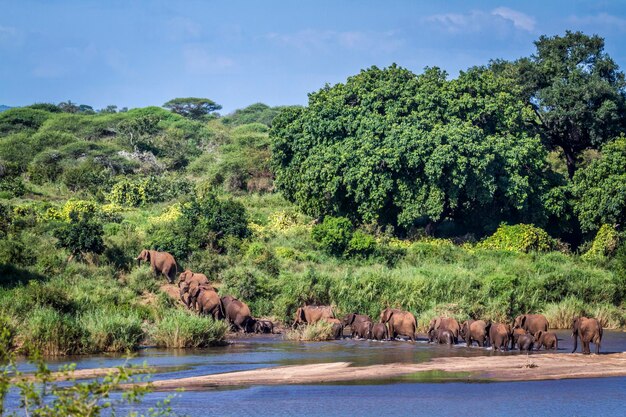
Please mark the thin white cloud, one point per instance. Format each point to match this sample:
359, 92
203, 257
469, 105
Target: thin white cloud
326, 40
480, 20
198, 60
520, 20
601, 20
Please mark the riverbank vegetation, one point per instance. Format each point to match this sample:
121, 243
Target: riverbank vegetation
437, 195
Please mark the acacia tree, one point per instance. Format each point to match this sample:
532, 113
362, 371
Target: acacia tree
393, 148
576, 91
193, 107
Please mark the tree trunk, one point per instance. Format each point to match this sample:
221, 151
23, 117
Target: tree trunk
570, 160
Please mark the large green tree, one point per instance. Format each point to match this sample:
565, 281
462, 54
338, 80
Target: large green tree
393, 148
600, 188
576, 91
192, 107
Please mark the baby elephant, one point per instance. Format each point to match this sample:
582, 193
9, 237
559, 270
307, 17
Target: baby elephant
362, 330
380, 332
263, 326
443, 336
546, 339
525, 342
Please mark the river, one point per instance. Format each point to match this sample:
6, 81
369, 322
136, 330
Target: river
432, 394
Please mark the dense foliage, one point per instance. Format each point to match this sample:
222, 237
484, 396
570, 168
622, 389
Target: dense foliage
442, 196
397, 149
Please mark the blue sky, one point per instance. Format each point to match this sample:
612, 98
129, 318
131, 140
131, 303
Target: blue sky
139, 53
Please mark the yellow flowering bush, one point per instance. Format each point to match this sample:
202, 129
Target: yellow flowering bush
519, 238
604, 244
170, 215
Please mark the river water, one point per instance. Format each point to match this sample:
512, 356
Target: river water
434, 395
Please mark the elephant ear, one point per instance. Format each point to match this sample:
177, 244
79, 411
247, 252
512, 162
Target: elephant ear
523, 321
437, 322
538, 335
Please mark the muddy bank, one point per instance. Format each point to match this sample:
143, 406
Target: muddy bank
495, 368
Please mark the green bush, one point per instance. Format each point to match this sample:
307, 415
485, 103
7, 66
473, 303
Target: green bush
22, 118
47, 331
263, 258
80, 236
316, 332
519, 238
142, 280
183, 329
604, 244
361, 244
333, 234
111, 330
561, 314
242, 282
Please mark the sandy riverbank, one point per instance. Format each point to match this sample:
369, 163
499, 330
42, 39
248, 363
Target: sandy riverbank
495, 368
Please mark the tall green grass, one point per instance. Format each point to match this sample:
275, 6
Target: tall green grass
315, 332
183, 329
111, 330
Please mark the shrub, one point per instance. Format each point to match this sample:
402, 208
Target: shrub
86, 175
604, 244
111, 330
263, 258
12, 187
242, 282
316, 332
333, 234
610, 316
183, 329
519, 238
52, 333
361, 244
142, 280
80, 236
560, 314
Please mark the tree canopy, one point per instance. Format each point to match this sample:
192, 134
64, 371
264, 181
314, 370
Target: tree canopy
192, 107
576, 91
393, 148
600, 188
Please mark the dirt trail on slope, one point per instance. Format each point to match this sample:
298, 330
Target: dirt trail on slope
495, 368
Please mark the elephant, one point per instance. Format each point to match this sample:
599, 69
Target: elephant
237, 313
447, 324
500, 336
546, 339
263, 326
515, 335
209, 302
362, 330
379, 331
162, 263
399, 322
589, 330
190, 283
474, 330
443, 336
312, 314
531, 323
352, 318
525, 342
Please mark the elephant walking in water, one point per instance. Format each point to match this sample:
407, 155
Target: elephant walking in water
589, 331
445, 323
237, 313
399, 322
162, 263
474, 330
531, 323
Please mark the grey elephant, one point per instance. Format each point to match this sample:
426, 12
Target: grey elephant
362, 330
399, 323
237, 313
161, 263
531, 323
379, 331
589, 330
547, 340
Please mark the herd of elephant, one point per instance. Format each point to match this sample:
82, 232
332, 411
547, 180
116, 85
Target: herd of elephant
528, 331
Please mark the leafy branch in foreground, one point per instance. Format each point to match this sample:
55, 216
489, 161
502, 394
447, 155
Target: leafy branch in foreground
45, 393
